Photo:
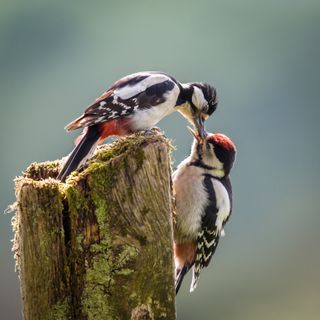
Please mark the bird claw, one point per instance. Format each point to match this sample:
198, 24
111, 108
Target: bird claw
151, 131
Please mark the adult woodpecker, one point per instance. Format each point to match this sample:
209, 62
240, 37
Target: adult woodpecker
203, 197
134, 103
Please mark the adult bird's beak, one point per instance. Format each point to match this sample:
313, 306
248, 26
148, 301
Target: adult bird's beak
198, 121
200, 127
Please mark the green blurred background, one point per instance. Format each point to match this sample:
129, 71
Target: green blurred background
263, 56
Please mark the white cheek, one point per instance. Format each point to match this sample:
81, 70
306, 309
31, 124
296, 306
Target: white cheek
198, 98
211, 158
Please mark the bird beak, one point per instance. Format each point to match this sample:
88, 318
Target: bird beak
201, 130
198, 121
196, 135
199, 124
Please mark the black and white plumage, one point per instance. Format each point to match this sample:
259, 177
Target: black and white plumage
203, 197
134, 103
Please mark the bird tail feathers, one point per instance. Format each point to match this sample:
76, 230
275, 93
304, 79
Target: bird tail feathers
81, 152
180, 275
195, 278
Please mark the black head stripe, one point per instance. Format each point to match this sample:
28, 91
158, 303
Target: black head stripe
212, 107
210, 95
185, 95
199, 161
226, 157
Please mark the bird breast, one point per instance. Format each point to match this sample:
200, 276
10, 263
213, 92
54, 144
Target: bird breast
191, 200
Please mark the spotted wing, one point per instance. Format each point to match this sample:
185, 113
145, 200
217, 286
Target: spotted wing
208, 237
135, 92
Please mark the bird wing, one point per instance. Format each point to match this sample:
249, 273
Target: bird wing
209, 235
135, 92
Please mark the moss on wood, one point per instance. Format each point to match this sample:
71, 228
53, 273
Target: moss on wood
40, 249
108, 228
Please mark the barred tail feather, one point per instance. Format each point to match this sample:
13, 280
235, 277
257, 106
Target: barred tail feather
81, 152
195, 278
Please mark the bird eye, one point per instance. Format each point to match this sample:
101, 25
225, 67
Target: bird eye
205, 108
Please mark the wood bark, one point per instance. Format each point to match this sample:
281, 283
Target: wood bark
100, 245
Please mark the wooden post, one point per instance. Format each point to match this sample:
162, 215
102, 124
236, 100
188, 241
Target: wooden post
99, 246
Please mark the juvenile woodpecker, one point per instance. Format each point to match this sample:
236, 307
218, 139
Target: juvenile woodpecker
203, 197
134, 103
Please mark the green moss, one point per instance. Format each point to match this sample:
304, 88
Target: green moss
101, 263
123, 145
40, 207
43, 170
101, 268
92, 247
140, 157
97, 283
100, 279
75, 199
120, 148
127, 254
59, 311
48, 189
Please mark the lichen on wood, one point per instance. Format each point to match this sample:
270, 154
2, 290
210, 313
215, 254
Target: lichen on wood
40, 249
106, 232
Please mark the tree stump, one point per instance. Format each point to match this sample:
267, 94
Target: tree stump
100, 245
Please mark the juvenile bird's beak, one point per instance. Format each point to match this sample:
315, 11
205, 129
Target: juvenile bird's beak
196, 135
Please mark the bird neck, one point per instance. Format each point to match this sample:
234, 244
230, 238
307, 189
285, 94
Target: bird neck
186, 91
197, 159
207, 169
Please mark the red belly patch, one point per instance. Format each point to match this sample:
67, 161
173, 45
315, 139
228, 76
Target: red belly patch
117, 127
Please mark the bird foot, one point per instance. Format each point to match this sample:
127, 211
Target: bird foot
151, 131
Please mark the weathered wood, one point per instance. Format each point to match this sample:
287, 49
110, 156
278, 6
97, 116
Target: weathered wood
40, 249
99, 246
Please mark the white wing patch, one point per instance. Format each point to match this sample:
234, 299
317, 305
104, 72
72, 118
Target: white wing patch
127, 92
222, 203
